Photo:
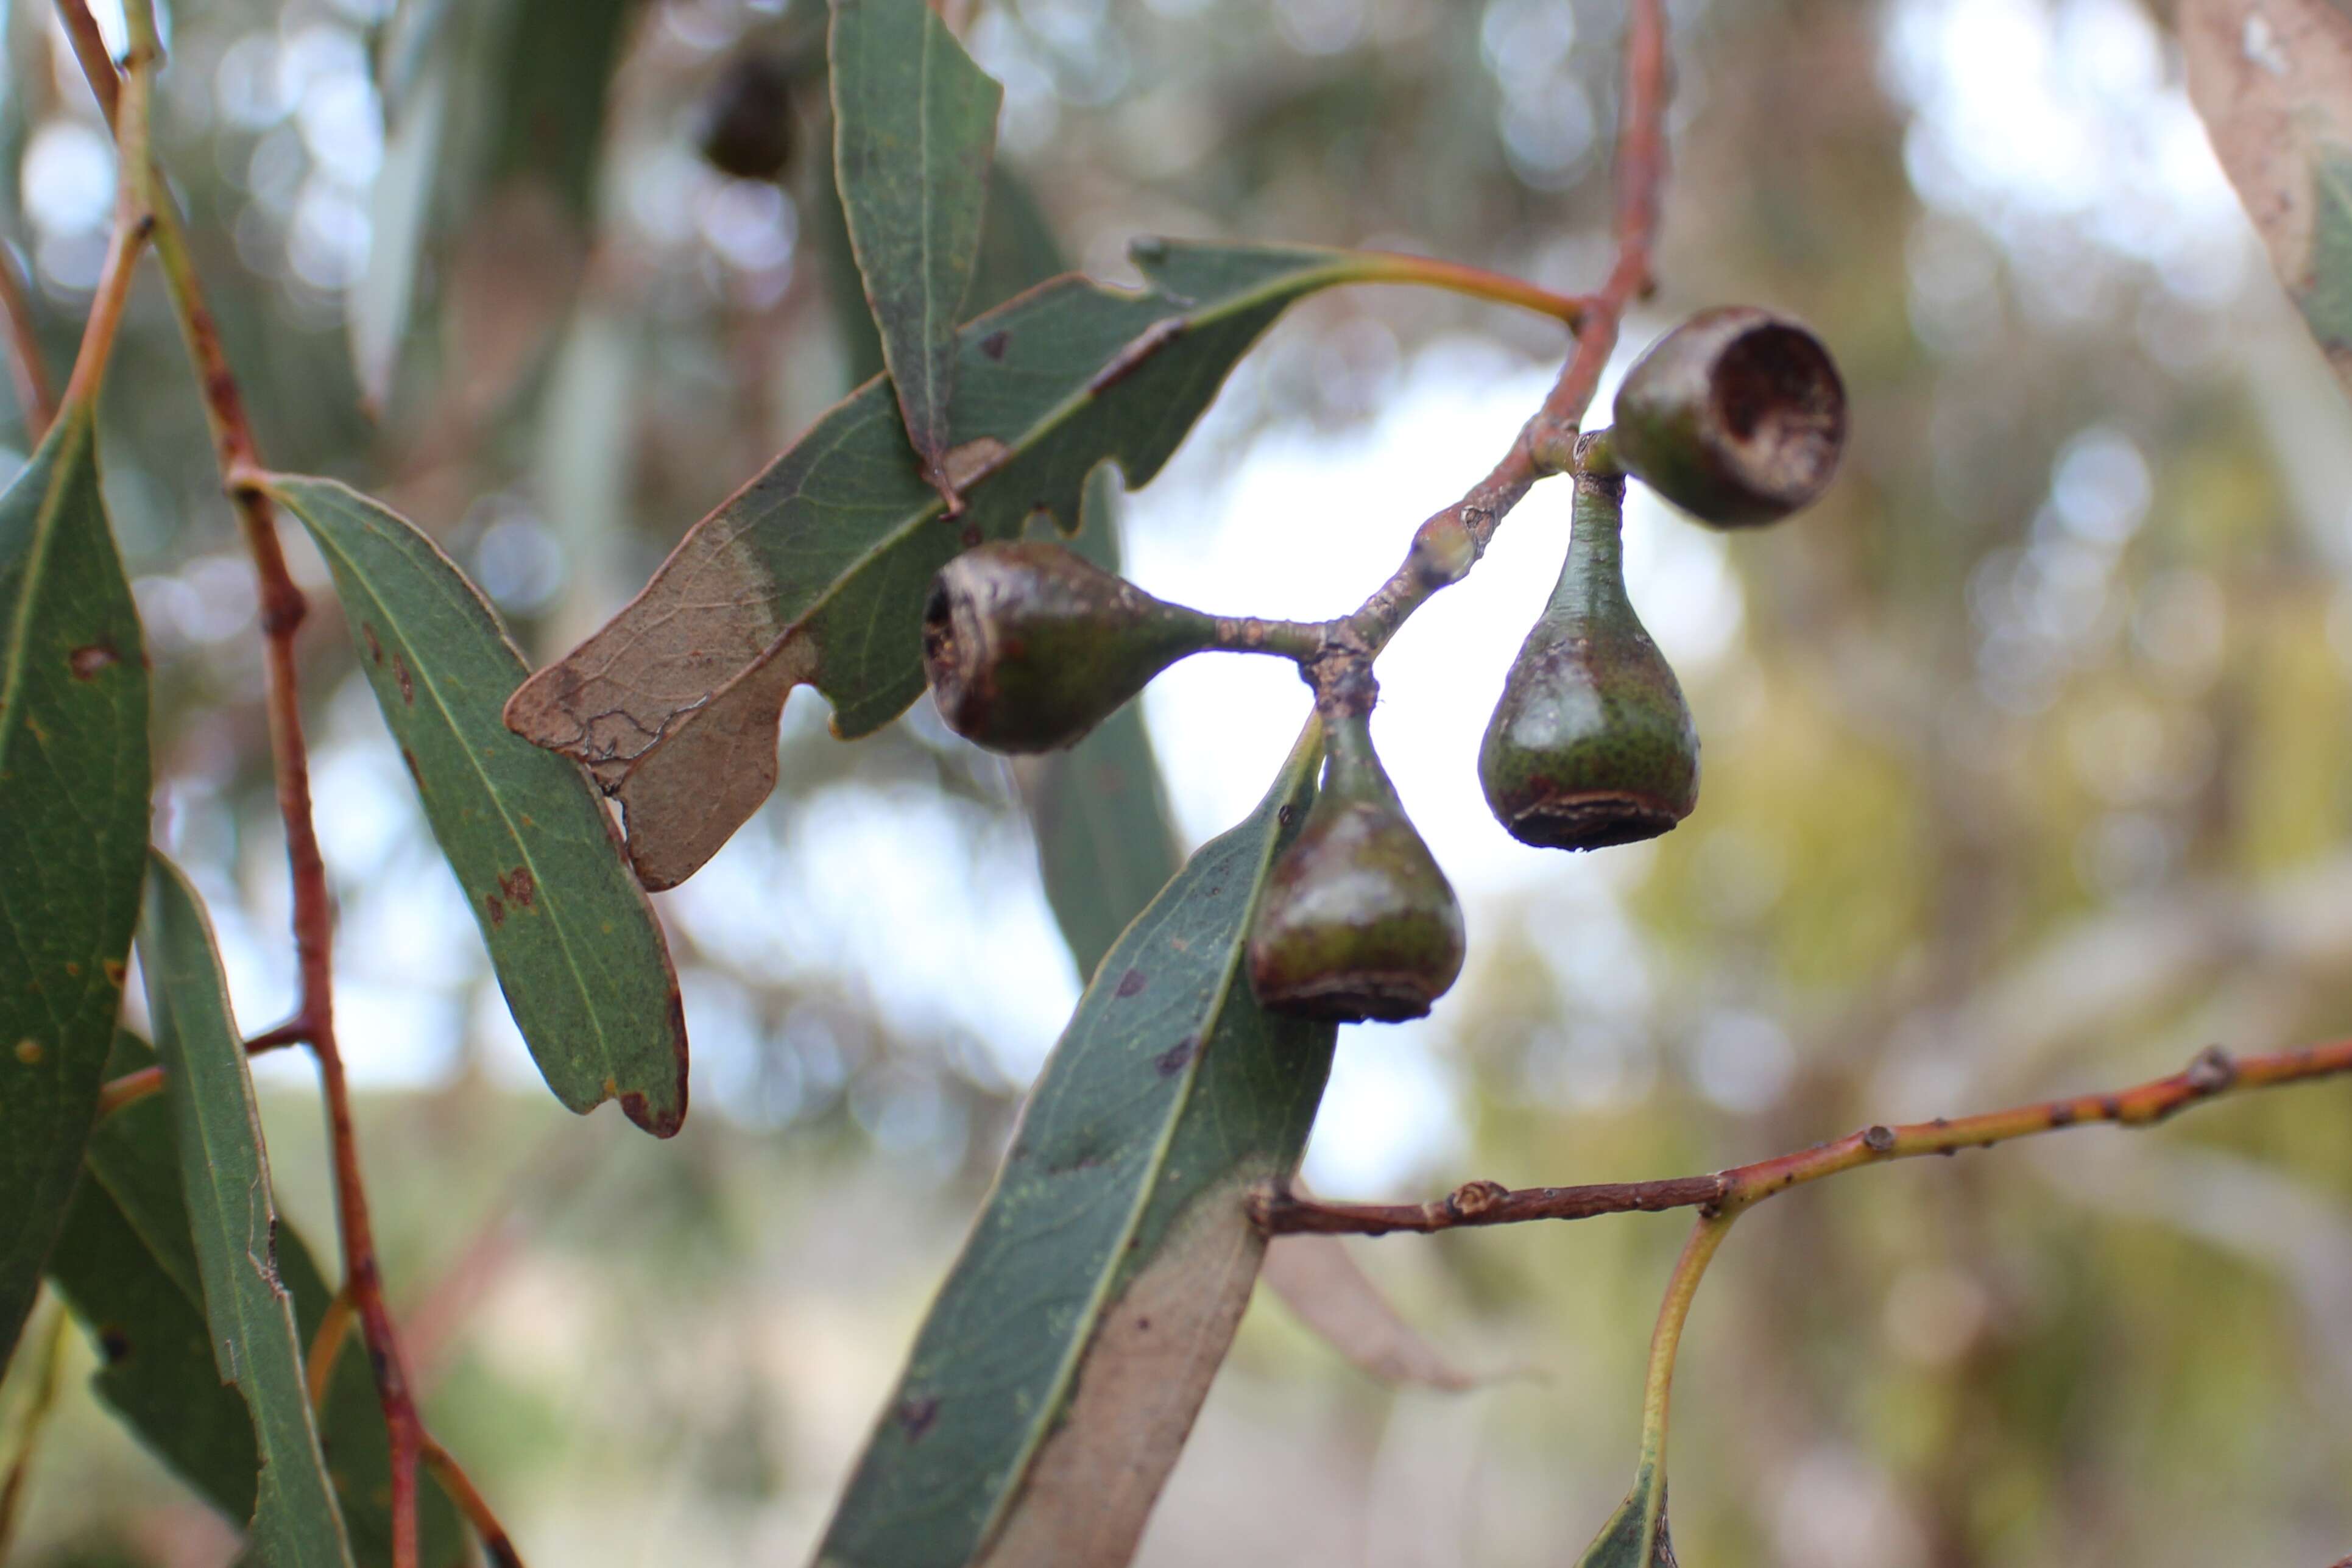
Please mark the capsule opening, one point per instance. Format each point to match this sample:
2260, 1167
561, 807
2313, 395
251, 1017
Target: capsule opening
1777, 397
1591, 820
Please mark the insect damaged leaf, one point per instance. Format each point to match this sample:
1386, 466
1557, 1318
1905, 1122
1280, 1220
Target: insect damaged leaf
820, 563
73, 833
578, 951
2272, 80
914, 133
225, 1181
127, 1266
1062, 1364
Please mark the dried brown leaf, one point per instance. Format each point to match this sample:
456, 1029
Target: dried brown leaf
2273, 79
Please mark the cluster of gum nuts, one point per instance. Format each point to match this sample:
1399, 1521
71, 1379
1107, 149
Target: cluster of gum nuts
1738, 416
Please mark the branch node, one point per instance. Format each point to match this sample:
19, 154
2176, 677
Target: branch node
1472, 1199
2211, 1071
1879, 1139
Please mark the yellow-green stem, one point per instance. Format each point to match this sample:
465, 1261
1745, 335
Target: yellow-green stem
1455, 277
1666, 1337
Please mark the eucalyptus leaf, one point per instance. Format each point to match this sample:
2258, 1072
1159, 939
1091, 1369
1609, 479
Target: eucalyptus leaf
814, 572
1054, 1382
74, 778
2273, 81
914, 133
578, 951
1635, 1535
225, 1181
127, 1266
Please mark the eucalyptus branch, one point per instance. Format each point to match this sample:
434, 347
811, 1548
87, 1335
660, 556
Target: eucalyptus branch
132, 1087
1336, 656
496, 1544
28, 368
2211, 1076
283, 606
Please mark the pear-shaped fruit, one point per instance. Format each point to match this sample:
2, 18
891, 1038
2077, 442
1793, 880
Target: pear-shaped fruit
1028, 645
1591, 743
1357, 922
1738, 416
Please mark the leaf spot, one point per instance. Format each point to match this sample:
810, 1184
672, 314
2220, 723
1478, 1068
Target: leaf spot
993, 344
498, 908
1130, 984
518, 887
375, 649
1174, 1059
113, 1345
917, 1415
87, 660
407, 685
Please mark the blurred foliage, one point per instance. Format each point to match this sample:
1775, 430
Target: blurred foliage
2023, 773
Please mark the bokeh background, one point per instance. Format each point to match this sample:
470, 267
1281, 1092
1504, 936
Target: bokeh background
2024, 774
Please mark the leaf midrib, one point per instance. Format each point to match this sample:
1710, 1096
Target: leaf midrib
1051, 1409
419, 672
1027, 442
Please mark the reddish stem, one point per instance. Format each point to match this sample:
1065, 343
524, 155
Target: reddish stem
282, 609
1450, 542
2212, 1074
26, 367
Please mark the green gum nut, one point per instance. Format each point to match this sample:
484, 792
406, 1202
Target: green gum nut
1028, 645
1357, 922
1738, 416
1592, 743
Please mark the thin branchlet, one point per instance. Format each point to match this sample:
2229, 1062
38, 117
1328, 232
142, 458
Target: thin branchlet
283, 607
1335, 656
2212, 1074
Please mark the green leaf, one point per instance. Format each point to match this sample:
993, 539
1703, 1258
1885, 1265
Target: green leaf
73, 833
127, 1266
577, 950
815, 571
224, 1181
1635, 1535
914, 133
1053, 1384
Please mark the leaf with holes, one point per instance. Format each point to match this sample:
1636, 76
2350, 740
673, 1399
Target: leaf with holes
1052, 1386
127, 1266
224, 1182
577, 950
914, 133
814, 572
73, 833
2272, 80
